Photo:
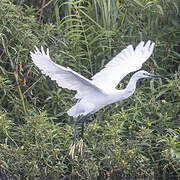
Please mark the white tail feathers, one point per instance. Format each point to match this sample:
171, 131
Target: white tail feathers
72, 111
81, 108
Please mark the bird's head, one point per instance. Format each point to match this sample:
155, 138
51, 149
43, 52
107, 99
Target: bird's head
145, 74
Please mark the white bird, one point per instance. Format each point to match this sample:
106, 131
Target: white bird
100, 91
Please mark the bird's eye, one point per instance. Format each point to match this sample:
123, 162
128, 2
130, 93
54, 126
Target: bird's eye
145, 74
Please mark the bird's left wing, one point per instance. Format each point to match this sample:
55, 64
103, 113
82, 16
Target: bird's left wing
65, 77
128, 60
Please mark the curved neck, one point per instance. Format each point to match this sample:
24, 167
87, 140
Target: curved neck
132, 83
128, 91
130, 88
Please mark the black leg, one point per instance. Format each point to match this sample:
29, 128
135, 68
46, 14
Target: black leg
72, 147
75, 131
82, 130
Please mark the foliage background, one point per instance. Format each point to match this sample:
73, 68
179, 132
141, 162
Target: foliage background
136, 137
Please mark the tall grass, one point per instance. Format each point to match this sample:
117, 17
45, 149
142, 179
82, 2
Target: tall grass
137, 137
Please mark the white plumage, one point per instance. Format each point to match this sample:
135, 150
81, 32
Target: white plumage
100, 91
97, 93
128, 60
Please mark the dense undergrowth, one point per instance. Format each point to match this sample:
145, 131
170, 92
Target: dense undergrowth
137, 137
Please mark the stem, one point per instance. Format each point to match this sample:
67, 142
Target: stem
20, 92
44, 5
87, 45
6, 132
31, 86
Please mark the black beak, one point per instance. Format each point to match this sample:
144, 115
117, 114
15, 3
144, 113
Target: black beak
153, 75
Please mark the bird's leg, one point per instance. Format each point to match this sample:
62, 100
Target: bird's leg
72, 147
80, 143
82, 129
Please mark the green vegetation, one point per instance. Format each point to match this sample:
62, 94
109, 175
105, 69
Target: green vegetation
138, 137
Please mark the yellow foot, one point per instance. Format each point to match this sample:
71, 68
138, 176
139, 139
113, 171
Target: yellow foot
80, 145
72, 148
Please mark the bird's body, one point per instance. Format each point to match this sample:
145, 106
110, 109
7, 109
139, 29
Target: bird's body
92, 103
100, 91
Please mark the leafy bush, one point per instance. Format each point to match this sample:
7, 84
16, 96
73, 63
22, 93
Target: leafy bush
136, 137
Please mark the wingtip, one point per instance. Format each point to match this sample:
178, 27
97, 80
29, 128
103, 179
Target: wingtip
142, 42
36, 49
47, 51
153, 44
31, 53
151, 48
140, 45
42, 50
147, 45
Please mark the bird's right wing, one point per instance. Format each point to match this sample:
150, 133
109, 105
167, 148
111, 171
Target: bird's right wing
65, 77
128, 60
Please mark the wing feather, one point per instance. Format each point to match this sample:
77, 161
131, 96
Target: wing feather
128, 60
65, 77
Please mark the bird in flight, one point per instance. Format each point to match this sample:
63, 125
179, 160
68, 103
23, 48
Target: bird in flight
100, 91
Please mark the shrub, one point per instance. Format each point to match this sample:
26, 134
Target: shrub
136, 137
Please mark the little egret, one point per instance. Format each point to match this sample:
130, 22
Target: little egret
100, 91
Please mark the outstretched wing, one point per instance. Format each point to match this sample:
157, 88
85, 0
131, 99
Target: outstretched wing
65, 77
128, 60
